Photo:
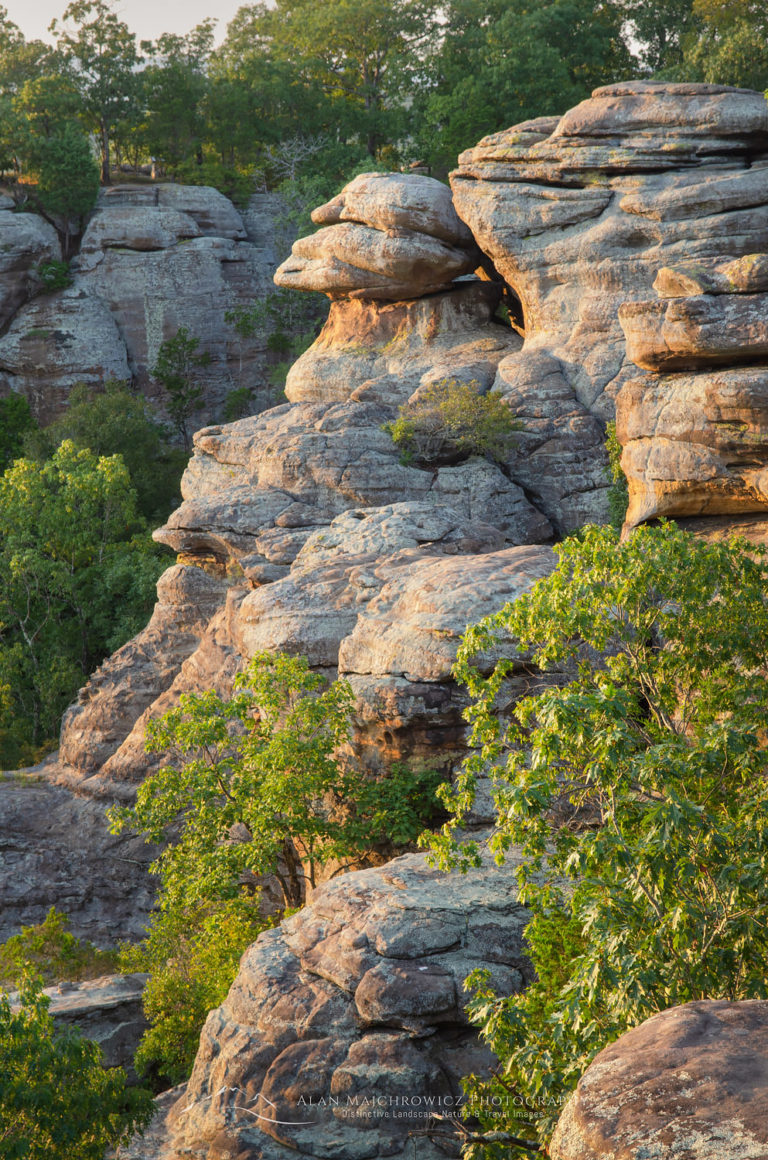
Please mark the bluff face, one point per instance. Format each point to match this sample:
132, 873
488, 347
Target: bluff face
633, 231
152, 259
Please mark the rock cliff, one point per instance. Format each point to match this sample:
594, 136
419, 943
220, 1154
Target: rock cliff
301, 530
152, 259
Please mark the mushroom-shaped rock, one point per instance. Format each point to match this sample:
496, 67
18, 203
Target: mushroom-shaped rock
691, 1082
388, 236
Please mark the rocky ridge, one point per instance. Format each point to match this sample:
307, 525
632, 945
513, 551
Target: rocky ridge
301, 530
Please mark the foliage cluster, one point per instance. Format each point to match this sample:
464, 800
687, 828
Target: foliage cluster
618, 492
286, 321
51, 952
116, 421
303, 89
191, 953
635, 786
448, 422
177, 369
57, 1102
54, 275
256, 786
77, 578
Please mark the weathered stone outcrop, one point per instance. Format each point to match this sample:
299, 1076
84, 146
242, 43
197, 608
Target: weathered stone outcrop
27, 241
55, 851
691, 1083
578, 214
695, 432
152, 259
390, 236
346, 1027
106, 1010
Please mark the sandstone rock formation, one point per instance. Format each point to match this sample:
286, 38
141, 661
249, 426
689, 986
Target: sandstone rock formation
695, 432
106, 1010
578, 214
387, 236
27, 241
691, 1083
345, 1027
55, 851
153, 258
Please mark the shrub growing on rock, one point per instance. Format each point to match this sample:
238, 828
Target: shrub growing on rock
56, 1100
51, 950
450, 421
638, 794
255, 786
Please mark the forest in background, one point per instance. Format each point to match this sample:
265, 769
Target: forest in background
317, 90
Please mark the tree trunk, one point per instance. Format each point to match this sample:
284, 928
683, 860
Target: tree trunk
104, 154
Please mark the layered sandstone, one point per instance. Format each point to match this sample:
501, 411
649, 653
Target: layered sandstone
152, 259
386, 236
579, 214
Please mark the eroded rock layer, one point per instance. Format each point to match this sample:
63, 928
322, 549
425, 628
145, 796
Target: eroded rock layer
578, 214
346, 1027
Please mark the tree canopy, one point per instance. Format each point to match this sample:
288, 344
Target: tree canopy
634, 786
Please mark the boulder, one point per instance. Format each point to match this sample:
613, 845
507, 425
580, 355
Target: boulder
386, 236
346, 1026
691, 1082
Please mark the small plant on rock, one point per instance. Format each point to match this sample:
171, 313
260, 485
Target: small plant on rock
448, 422
51, 950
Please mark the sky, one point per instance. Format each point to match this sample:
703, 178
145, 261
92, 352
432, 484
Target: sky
147, 18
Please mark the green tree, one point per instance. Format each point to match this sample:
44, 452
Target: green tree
498, 65
100, 52
175, 85
56, 1100
179, 362
192, 953
67, 183
16, 422
77, 579
265, 762
364, 54
257, 787
635, 787
50, 950
116, 421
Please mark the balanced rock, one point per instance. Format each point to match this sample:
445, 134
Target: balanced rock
346, 1026
392, 236
691, 1082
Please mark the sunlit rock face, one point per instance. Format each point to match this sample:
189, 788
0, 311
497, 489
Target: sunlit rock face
357, 998
579, 214
386, 236
695, 429
689, 1082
